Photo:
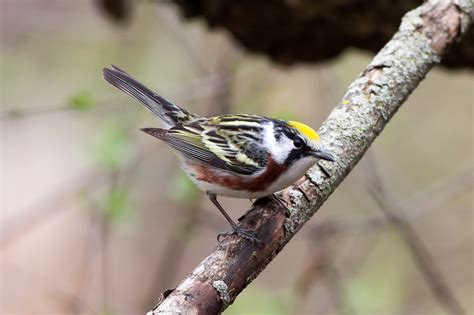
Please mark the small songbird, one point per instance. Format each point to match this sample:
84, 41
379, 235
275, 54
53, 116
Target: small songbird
239, 156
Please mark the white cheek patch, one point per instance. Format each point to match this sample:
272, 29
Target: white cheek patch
280, 149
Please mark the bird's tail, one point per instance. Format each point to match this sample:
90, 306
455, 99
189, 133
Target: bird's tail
168, 113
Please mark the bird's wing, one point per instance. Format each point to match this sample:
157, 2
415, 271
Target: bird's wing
168, 113
208, 145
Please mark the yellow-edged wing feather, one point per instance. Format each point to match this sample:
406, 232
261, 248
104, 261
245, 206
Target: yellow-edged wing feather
204, 143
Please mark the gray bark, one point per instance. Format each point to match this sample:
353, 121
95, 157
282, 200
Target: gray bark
424, 36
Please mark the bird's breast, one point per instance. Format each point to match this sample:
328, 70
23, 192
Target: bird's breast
230, 184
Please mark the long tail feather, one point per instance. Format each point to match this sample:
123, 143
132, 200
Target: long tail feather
168, 113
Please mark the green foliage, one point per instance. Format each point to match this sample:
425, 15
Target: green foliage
112, 147
259, 301
116, 205
182, 189
110, 150
81, 101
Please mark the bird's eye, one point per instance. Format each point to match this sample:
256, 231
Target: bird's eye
298, 143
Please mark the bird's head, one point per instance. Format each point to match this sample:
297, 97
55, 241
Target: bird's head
297, 142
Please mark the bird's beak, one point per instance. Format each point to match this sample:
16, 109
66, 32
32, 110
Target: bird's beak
321, 154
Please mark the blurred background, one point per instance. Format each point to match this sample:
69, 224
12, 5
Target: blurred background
97, 217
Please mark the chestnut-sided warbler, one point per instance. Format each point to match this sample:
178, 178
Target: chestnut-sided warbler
239, 156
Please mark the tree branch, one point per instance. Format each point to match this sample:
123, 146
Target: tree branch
424, 36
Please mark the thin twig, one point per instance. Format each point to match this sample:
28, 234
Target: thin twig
435, 196
88, 255
321, 266
425, 262
206, 86
336, 288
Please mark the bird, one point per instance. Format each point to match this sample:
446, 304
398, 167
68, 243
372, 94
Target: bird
238, 156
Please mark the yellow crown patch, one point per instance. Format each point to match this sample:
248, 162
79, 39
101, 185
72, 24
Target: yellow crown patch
305, 129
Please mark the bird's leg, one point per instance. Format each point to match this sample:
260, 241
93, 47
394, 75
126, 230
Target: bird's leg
236, 230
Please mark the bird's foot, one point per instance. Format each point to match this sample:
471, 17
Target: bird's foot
244, 233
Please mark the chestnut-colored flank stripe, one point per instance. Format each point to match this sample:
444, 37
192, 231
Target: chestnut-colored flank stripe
237, 182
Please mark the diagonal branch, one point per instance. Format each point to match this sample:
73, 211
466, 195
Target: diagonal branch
424, 36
